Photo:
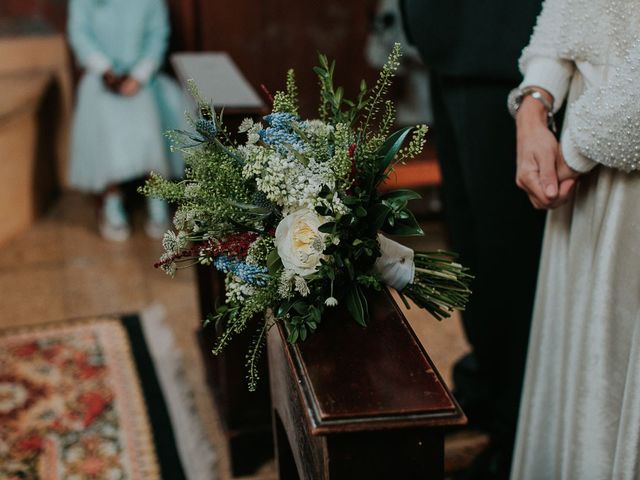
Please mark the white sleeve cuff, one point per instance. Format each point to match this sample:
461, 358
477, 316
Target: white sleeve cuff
97, 63
144, 70
551, 74
576, 160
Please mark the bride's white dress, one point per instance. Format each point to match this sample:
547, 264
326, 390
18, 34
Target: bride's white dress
580, 413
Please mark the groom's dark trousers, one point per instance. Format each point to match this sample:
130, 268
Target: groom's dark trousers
471, 48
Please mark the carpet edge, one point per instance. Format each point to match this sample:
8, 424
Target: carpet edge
195, 450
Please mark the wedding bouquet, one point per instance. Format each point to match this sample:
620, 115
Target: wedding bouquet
293, 216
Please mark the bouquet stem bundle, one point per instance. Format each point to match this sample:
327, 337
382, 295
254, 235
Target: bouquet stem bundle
440, 286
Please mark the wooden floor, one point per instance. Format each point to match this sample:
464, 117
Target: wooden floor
61, 269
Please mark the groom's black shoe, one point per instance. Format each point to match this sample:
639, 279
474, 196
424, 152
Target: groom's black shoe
473, 393
494, 463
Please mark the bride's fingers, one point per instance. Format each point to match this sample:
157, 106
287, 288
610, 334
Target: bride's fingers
536, 204
566, 186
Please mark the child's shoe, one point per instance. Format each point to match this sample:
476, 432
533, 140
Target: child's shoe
158, 218
114, 224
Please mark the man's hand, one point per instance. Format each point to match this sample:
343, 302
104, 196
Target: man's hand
541, 171
129, 87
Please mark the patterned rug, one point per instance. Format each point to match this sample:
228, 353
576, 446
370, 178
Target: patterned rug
82, 400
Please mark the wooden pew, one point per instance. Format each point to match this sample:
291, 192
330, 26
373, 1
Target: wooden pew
353, 402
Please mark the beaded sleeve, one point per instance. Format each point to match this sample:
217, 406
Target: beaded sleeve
541, 62
605, 121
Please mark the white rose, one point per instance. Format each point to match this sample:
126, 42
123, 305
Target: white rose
299, 243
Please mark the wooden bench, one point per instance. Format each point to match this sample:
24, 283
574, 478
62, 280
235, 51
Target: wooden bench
353, 402
35, 114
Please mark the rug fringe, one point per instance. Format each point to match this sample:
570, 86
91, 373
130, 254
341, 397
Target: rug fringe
196, 452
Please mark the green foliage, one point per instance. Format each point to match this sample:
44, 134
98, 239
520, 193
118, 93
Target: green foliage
159, 187
255, 353
376, 97
357, 305
300, 319
332, 98
287, 101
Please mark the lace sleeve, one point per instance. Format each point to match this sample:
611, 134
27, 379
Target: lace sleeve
605, 121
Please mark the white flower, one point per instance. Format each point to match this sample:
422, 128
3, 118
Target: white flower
170, 242
284, 287
301, 286
246, 125
298, 241
331, 302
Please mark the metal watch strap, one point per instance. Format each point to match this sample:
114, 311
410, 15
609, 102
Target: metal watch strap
535, 94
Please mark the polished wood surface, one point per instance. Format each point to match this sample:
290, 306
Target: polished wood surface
354, 402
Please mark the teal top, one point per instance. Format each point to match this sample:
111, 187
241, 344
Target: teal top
125, 35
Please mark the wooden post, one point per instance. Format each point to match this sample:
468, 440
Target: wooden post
244, 416
353, 402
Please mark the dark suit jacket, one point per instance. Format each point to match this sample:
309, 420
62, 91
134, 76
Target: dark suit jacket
471, 38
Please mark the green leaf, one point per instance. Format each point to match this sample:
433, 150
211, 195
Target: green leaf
249, 207
365, 304
390, 148
273, 262
408, 227
293, 336
300, 307
349, 201
355, 307
284, 308
323, 210
321, 72
328, 227
401, 194
378, 215
339, 94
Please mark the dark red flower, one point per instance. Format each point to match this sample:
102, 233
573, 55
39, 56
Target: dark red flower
266, 91
352, 150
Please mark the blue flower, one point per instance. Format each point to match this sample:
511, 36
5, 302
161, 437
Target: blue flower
280, 134
252, 274
207, 128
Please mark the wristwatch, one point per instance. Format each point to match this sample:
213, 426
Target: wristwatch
517, 95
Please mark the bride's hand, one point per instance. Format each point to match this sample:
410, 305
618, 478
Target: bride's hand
538, 155
567, 180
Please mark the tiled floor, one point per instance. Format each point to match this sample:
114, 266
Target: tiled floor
62, 269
